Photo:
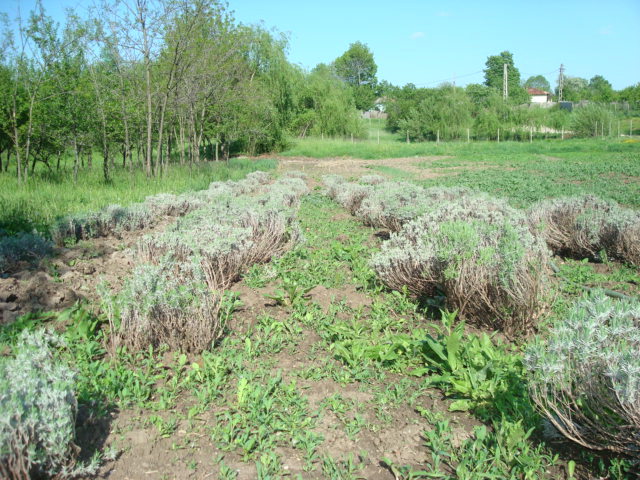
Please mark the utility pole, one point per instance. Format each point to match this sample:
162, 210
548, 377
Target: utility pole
560, 82
505, 82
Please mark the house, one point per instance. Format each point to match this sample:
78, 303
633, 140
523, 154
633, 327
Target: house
539, 96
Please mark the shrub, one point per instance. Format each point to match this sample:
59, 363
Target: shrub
295, 174
585, 377
372, 179
38, 410
109, 220
586, 225
392, 204
333, 184
156, 306
479, 253
174, 205
22, 247
351, 195
591, 121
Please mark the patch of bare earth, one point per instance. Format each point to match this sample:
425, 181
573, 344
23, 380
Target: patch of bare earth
189, 452
353, 167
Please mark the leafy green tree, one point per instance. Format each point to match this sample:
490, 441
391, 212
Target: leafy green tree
574, 89
539, 82
494, 73
357, 67
600, 89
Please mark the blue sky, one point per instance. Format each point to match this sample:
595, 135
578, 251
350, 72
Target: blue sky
427, 42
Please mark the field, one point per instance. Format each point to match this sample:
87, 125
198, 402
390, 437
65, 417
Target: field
321, 371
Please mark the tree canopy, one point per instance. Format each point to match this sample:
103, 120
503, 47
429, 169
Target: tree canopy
357, 68
537, 81
494, 74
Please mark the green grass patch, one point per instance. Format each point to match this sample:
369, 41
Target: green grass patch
47, 196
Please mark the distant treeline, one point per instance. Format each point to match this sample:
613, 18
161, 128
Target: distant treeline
144, 83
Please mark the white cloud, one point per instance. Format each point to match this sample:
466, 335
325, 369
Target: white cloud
416, 35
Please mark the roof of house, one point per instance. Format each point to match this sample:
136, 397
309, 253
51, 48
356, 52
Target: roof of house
536, 91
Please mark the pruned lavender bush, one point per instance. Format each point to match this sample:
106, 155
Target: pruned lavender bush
584, 226
159, 306
111, 219
164, 204
372, 179
392, 204
585, 377
295, 174
29, 247
351, 195
38, 411
479, 253
333, 184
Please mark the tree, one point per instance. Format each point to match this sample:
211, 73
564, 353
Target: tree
539, 82
357, 67
600, 90
574, 89
494, 74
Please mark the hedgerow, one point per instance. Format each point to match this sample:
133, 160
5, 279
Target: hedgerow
37, 410
585, 377
585, 226
476, 251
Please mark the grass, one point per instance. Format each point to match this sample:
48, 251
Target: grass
48, 196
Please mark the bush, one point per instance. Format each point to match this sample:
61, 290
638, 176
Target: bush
333, 184
591, 121
38, 410
174, 205
372, 179
585, 377
392, 204
351, 195
295, 174
22, 247
586, 225
479, 253
156, 306
111, 219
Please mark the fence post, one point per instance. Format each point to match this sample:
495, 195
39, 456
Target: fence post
467, 135
561, 133
407, 136
438, 137
531, 134
498, 135
595, 133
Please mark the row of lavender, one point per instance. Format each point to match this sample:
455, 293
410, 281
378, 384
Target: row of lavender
490, 261
174, 296
176, 293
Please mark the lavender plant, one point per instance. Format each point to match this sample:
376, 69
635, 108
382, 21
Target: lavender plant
585, 377
477, 252
586, 225
156, 306
37, 410
29, 247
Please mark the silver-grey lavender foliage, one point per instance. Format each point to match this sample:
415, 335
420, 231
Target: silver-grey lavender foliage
37, 410
585, 377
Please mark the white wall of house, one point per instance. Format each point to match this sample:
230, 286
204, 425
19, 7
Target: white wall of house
538, 99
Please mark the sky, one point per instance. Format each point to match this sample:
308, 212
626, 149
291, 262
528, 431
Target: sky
429, 42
